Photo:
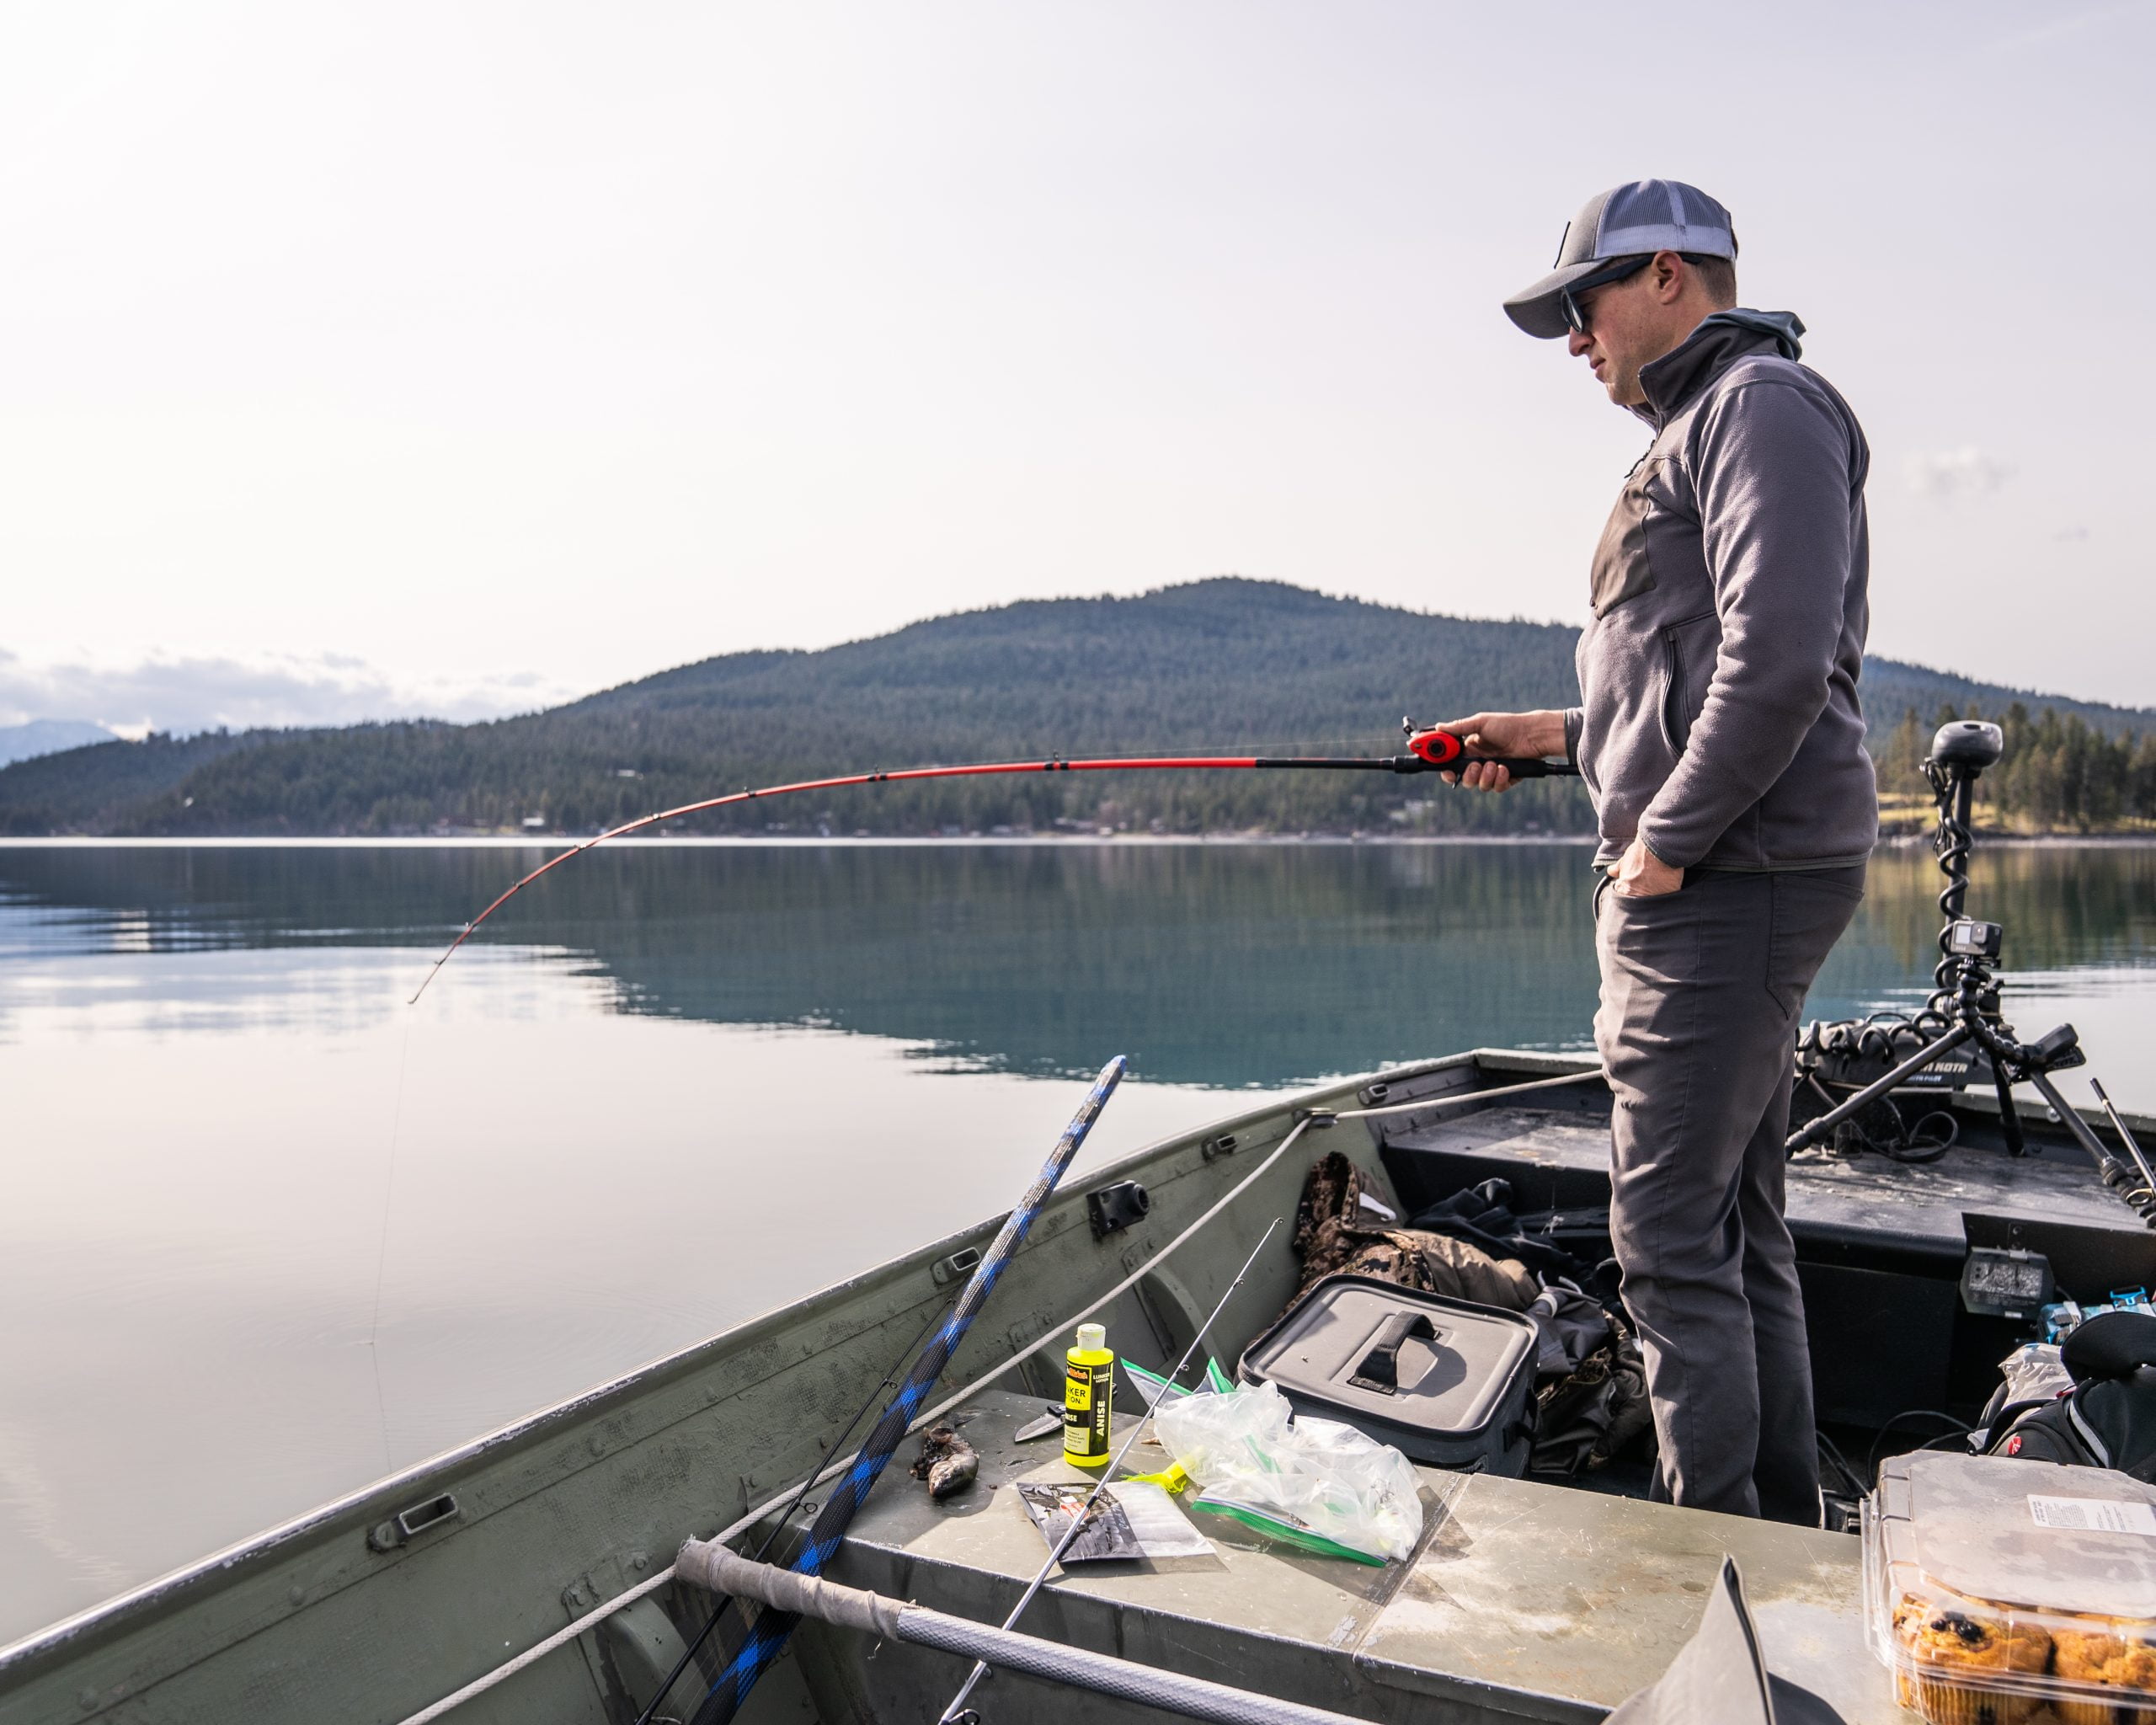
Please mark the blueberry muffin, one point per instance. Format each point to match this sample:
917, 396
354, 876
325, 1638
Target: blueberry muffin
2125, 1662
1954, 1651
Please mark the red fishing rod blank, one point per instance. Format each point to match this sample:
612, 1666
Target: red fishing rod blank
1427, 751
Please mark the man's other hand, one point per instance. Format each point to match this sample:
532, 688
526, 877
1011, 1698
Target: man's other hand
1521, 735
1641, 874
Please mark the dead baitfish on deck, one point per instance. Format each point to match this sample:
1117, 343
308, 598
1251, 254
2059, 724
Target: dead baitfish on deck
947, 1462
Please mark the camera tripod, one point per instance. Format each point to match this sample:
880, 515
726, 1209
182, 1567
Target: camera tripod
1963, 1005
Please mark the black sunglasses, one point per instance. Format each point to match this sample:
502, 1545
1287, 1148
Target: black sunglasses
1618, 270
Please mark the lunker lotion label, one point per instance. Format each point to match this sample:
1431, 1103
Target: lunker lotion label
1088, 1397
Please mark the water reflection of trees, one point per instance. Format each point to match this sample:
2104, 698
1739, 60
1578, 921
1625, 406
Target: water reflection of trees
2061, 904
1218, 963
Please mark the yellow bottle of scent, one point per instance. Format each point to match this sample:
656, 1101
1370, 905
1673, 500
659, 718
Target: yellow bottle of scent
1088, 1397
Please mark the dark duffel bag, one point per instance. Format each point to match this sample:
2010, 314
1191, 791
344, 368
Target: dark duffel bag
2107, 1419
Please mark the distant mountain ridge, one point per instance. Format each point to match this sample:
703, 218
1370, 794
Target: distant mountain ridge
1225, 663
48, 736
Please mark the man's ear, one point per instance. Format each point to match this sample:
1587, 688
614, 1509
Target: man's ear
1666, 277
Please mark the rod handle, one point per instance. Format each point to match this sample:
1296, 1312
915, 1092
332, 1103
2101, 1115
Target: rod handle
1445, 750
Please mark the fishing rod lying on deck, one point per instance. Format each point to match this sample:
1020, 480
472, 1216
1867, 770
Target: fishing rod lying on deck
768, 1634
1429, 751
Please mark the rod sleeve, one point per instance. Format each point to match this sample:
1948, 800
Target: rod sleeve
721, 1570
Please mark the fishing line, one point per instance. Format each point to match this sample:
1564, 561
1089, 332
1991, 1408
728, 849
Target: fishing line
382, 1253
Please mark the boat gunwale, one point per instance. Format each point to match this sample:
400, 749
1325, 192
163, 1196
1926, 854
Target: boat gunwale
139, 1606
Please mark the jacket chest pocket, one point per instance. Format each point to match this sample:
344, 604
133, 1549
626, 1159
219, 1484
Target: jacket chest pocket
1621, 569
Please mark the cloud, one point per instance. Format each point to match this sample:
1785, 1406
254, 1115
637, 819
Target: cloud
2071, 533
1957, 472
194, 694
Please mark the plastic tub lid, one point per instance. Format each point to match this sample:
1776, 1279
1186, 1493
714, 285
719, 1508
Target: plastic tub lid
1985, 1575
2077, 1540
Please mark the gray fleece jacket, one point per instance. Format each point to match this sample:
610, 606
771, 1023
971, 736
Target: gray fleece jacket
1719, 719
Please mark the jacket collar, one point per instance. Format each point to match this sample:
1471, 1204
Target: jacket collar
1719, 341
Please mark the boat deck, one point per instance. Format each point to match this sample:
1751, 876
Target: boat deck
1523, 1601
1881, 1244
1923, 1201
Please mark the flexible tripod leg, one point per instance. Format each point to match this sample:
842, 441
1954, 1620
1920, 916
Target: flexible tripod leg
2009, 1116
1819, 1130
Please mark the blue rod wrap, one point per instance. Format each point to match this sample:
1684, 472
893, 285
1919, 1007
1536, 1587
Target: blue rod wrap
850, 1491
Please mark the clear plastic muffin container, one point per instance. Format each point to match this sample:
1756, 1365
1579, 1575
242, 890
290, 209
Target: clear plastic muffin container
1994, 1588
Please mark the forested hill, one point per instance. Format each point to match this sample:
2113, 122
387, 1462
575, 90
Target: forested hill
1217, 664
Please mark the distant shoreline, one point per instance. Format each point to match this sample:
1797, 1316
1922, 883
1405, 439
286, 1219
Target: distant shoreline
798, 841
776, 841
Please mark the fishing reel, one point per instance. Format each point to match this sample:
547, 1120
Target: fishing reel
1434, 747
1431, 750
1441, 752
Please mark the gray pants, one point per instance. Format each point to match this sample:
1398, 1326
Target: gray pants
1700, 992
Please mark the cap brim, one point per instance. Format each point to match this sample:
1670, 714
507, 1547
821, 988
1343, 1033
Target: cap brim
1540, 310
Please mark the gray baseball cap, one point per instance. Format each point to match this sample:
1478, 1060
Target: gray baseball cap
1627, 221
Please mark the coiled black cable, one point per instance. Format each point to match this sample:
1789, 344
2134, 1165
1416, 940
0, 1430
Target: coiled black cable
1955, 1428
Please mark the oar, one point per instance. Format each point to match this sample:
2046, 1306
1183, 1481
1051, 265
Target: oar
768, 1638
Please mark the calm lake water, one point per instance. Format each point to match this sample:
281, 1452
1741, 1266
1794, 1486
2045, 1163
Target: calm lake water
267, 1233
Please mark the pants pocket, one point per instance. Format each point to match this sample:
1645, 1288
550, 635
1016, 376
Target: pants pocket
1656, 938
1809, 912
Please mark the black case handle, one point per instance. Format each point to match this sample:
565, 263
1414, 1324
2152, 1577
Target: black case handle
1378, 1369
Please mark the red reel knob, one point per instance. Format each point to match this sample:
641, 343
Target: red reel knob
1439, 748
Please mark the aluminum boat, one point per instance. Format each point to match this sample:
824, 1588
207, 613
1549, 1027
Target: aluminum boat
528, 1576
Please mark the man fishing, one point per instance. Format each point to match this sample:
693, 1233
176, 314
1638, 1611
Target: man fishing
1720, 736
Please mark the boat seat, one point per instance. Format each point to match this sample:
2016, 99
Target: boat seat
1522, 1601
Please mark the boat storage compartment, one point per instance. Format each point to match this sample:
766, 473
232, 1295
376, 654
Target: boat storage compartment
1445, 1381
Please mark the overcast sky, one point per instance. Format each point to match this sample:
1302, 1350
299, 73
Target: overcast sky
365, 360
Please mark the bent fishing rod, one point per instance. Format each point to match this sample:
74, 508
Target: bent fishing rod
1429, 751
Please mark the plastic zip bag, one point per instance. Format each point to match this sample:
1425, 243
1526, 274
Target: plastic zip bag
1314, 1483
1131, 1519
2034, 1372
1158, 1390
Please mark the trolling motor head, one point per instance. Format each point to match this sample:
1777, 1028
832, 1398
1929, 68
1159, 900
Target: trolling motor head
1967, 745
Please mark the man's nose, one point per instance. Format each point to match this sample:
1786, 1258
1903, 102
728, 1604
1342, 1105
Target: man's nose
1577, 344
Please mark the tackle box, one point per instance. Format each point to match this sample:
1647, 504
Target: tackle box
1993, 1587
1444, 1381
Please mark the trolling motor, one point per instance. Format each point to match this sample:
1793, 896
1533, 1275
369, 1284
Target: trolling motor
1958, 1036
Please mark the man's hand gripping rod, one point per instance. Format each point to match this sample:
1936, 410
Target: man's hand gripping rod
1445, 751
